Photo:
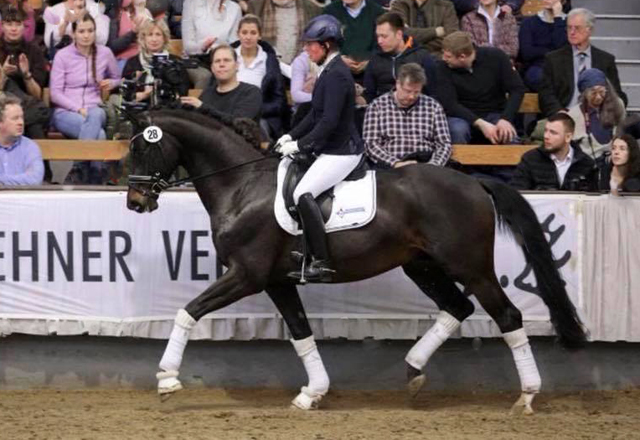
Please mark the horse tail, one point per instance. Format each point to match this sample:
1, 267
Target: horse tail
513, 211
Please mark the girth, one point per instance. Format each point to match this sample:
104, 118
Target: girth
298, 167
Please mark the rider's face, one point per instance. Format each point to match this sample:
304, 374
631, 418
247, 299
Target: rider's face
315, 50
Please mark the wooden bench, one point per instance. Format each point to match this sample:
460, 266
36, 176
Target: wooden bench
71, 149
531, 7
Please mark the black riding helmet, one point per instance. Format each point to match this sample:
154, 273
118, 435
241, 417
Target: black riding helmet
323, 28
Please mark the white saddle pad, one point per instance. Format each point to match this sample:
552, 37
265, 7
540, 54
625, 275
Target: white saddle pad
354, 204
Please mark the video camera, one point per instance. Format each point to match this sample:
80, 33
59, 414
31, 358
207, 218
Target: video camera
168, 75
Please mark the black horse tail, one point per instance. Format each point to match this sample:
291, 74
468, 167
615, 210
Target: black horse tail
514, 211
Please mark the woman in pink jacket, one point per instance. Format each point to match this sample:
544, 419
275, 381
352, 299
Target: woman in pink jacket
81, 73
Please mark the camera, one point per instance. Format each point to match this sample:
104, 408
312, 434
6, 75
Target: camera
168, 76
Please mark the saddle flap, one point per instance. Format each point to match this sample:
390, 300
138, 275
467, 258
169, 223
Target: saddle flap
294, 174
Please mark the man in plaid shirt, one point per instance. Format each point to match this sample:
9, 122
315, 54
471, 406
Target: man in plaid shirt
404, 127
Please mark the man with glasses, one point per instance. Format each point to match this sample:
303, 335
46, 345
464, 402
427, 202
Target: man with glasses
562, 67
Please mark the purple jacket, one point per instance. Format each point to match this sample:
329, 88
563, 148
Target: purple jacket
72, 84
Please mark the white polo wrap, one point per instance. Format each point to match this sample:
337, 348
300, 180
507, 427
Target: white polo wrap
439, 332
182, 326
525, 363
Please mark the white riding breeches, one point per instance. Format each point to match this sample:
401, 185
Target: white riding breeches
327, 171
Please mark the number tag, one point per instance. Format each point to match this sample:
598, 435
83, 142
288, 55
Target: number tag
152, 134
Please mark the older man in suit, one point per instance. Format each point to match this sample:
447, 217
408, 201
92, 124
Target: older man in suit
561, 67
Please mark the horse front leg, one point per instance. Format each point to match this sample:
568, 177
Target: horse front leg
287, 301
231, 287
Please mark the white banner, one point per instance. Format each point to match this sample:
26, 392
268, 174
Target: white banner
80, 262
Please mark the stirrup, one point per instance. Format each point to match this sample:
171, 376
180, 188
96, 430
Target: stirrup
316, 272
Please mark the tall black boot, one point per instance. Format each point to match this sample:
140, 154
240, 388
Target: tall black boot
319, 269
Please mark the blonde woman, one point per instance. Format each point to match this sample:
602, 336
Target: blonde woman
153, 39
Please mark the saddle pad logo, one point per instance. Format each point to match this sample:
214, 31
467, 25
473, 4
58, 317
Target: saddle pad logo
342, 212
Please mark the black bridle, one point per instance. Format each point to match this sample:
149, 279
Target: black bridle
152, 185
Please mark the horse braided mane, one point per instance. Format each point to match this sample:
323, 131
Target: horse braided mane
245, 127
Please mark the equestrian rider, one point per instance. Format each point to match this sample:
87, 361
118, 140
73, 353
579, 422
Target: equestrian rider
329, 133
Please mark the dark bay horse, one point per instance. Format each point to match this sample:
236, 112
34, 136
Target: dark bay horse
436, 223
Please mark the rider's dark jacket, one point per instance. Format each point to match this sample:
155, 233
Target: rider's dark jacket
329, 127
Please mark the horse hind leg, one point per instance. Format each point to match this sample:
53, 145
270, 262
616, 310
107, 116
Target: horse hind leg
287, 301
509, 320
454, 307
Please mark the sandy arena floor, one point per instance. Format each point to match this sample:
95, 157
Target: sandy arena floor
265, 414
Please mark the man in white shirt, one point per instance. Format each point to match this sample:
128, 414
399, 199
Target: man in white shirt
556, 165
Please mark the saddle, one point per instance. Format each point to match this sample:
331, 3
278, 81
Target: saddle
295, 172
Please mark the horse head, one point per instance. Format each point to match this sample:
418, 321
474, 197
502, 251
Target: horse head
154, 158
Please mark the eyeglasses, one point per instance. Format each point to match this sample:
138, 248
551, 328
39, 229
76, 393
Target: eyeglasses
576, 28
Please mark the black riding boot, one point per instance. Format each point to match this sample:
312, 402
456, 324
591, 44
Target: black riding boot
313, 226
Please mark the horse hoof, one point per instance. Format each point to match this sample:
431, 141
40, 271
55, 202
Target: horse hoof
523, 405
168, 384
415, 385
307, 400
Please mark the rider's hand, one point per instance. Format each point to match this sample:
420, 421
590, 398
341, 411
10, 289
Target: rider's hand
289, 148
283, 140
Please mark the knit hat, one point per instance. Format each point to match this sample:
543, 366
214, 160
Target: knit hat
590, 78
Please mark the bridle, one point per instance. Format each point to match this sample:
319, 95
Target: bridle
152, 185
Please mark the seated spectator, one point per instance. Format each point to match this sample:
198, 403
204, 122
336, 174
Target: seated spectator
27, 16
259, 66
473, 84
557, 164
395, 50
205, 25
225, 93
490, 25
20, 158
358, 18
80, 74
561, 67
127, 18
540, 35
174, 15
465, 6
598, 115
427, 21
304, 74
404, 127
283, 22
153, 39
622, 173
60, 18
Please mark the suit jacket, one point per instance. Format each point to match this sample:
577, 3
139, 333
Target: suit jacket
329, 128
558, 82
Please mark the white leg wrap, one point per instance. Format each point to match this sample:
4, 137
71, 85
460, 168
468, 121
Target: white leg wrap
525, 363
420, 353
318, 377
172, 357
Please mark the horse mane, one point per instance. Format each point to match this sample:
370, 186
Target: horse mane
245, 127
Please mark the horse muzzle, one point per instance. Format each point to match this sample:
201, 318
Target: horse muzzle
139, 202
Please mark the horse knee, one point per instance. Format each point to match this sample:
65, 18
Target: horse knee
509, 319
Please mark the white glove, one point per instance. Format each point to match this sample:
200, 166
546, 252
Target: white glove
289, 148
283, 139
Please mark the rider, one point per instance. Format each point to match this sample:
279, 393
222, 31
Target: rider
329, 133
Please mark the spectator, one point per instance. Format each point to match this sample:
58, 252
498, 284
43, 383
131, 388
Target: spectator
153, 39
205, 25
258, 65
27, 16
395, 50
427, 21
598, 115
358, 18
473, 84
304, 74
561, 67
491, 25
127, 18
404, 127
622, 173
23, 73
540, 35
81, 72
20, 158
174, 15
60, 17
465, 6
284, 22
225, 93
557, 164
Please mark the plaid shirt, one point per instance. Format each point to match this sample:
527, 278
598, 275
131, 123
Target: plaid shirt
391, 132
